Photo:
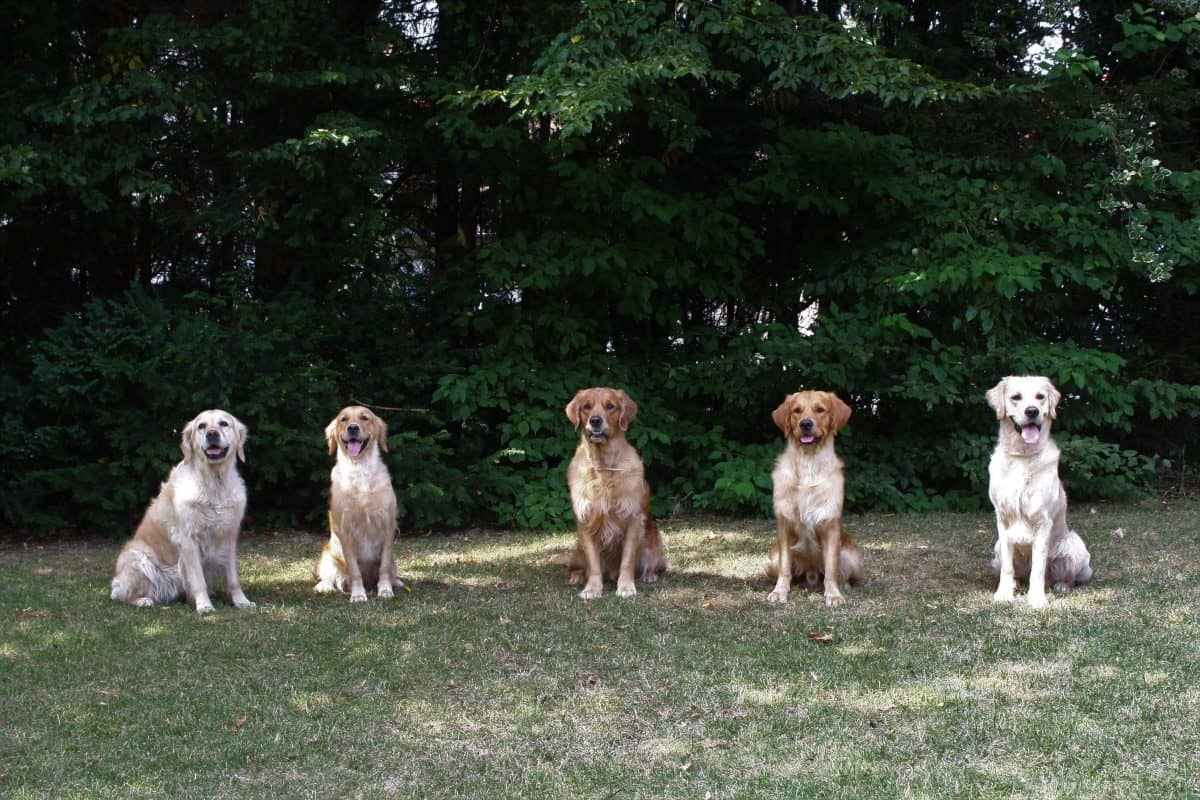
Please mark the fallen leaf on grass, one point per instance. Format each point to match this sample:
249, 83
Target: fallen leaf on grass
820, 638
239, 722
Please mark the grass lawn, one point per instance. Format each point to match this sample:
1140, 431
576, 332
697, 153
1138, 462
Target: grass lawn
492, 679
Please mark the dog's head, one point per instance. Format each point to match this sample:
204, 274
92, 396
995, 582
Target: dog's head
355, 430
811, 418
1029, 402
213, 437
601, 413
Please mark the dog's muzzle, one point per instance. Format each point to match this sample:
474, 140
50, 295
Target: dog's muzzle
213, 449
595, 429
1030, 428
807, 436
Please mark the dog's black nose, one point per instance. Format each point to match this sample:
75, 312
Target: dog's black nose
806, 424
596, 422
212, 437
1031, 412
353, 430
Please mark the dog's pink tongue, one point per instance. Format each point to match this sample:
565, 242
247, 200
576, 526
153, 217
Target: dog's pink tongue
354, 448
1030, 433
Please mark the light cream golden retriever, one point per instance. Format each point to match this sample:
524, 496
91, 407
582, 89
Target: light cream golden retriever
617, 538
1034, 542
188, 535
809, 490
362, 509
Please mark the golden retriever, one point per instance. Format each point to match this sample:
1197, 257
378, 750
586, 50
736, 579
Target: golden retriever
809, 490
1033, 541
362, 509
616, 535
188, 535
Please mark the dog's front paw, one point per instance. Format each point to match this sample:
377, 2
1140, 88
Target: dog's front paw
1002, 596
244, 602
591, 591
143, 602
325, 587
204, 608
1062, 588
650, 577
778, 596
626, 589
358, 596
834, 599
385, 591
1038, 600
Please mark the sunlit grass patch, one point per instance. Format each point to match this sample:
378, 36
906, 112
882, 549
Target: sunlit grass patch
491, 677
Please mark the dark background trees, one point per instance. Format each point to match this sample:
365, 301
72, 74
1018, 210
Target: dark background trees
462, 212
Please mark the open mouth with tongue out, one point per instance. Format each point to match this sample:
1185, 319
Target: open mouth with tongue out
808, 438
1030, 431
215, 452
355, 446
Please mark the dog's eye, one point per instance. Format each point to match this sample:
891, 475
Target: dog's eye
1016, 398
587, 407
345, 419
609, 406
363, 417
1040, 396
819, 410
202, 426
223, 424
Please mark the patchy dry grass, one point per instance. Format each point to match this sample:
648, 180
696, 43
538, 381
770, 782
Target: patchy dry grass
491, 679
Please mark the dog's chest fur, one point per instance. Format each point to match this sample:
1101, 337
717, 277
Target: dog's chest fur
362, 498
606, 493
808, 487
208, 502
1024, 488
360, 479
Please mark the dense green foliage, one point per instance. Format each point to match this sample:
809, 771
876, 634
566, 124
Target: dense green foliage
464, 212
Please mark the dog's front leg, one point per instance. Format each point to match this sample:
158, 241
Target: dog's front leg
387, 565
831, 541
591, 564
1037, 566
783, 547
231, 574
631, 552
191, 569
358, 594
1004, 591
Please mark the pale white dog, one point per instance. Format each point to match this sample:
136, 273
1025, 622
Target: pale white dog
1034, 541
188, 535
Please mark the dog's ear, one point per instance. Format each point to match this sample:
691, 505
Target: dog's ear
573, 409
186, 443
1053, 395
629, 409
241, 434
783, 416
841, 412
382, 433
995, 397
331, 435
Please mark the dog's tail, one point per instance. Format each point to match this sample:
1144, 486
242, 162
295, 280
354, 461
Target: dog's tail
567, 559
1085, 572
119, 591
